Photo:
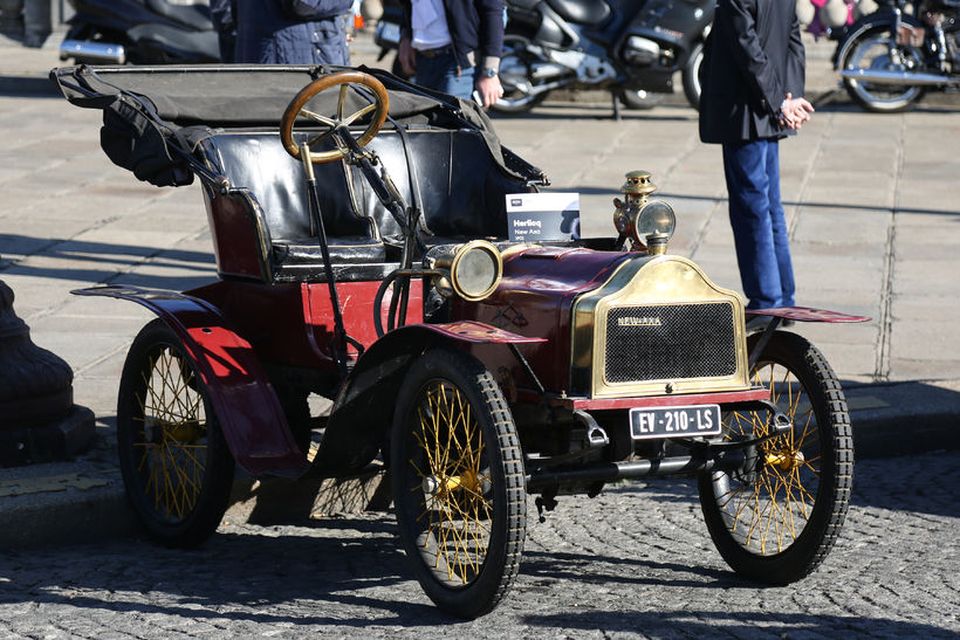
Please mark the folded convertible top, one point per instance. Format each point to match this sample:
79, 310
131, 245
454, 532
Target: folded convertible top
154, 116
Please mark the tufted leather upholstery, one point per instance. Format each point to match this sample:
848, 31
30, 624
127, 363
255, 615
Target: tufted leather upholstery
461, 192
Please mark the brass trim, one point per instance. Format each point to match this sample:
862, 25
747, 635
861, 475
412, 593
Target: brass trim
449, 264
649, 281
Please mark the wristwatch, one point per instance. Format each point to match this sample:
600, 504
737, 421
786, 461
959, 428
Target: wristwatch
487, 72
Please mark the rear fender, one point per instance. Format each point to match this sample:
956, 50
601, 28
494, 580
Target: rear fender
363, 412
246, 405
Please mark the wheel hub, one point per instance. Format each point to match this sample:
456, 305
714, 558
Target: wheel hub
785, 459
434, 485
186, 432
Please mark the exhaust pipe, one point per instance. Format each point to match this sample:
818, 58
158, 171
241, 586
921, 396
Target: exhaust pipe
95, 52
899, 78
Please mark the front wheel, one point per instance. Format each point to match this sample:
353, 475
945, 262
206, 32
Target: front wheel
874, 49
458, 483
776, 519
176, 467
691, 76
640, 99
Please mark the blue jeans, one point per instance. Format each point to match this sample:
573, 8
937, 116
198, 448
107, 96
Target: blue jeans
441, 74
752, 170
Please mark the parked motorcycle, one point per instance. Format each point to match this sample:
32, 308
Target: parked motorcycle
631, 48
139, 32
890, 58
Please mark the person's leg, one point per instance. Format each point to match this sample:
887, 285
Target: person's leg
37, 22
441, 73
458, 82
429, 72
11, 18
781, 242
745, 168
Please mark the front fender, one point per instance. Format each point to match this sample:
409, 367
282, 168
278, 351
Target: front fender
884, 17
363, 412
246, 405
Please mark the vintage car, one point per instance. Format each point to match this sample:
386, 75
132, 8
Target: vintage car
360, 230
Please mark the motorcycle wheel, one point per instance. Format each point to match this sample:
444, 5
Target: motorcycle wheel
775, 520
873, 49
691, 76
516, 68
640, 99
458, 482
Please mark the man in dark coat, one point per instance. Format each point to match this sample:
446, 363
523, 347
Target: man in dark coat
284, 31
454, 46
753, 67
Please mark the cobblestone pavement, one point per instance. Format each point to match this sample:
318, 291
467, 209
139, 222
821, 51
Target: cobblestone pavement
627, 564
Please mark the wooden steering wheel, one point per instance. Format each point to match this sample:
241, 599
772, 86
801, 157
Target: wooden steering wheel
296, 109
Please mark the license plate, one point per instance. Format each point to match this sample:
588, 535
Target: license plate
387, 32
675, 422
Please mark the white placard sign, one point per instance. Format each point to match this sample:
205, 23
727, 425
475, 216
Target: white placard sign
532, 217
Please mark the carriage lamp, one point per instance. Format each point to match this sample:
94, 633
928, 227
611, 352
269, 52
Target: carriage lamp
647, 223
471, 271
656, 223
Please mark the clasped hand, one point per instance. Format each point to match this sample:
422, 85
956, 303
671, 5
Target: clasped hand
794, 112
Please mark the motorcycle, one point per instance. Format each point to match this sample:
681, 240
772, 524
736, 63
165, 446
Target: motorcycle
890, 58
631, 48
140, 32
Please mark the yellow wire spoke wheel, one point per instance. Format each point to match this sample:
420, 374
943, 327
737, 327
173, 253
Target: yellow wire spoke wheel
176, 468
778, 517
458, 483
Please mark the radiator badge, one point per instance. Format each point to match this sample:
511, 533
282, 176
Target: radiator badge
638, 321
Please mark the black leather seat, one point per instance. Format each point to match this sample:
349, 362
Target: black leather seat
258, 162
461, 188
461, 191
581, 11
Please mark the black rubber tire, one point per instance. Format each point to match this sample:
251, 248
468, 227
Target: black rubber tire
201, 514
635, 100
499, 477
691, 76
862, 96
811, 543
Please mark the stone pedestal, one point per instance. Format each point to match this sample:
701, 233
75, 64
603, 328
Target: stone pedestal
38, 420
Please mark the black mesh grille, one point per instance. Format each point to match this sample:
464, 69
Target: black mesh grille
670, 342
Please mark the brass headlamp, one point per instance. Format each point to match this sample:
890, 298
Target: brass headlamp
649, 224
471, 271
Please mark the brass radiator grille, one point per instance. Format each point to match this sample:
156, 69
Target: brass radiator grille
670, 342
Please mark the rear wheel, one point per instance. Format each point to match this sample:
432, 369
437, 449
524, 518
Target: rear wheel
775, 520
176, 467
874, 50
516, 77
458, 483
691, 76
